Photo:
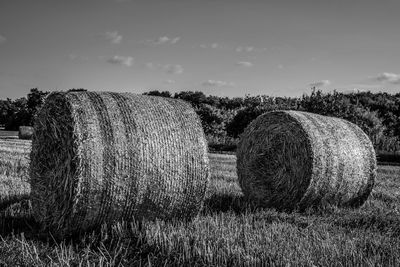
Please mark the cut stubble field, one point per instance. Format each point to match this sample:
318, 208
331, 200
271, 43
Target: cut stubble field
228, 232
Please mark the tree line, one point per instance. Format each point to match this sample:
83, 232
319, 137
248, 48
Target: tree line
225, 118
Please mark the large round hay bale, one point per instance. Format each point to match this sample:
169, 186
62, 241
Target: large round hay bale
294, 160
101, 156
25, 132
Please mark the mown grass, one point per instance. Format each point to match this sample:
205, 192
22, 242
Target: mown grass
8, 134
228, 232
14, 160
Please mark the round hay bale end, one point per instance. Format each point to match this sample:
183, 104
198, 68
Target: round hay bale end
101, 157
25, 132
294, 160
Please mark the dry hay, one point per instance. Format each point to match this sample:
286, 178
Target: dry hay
101, 156
291, 159
14, 171
25, 132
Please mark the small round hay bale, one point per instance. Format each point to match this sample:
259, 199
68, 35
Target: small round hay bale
101, 156
294, 160
25, 132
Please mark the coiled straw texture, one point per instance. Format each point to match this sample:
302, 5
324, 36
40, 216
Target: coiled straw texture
295, 160
101, 156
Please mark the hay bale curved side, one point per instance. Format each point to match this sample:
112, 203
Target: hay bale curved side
101, 156
292, 159
25, 132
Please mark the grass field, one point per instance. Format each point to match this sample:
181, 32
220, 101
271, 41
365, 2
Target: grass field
14, 159
8, 134
228, 231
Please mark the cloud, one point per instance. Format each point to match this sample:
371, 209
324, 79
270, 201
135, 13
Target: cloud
213, 45
173, 69
2, 39
245, 64
121, 60
217, 83
388, 77
281, 67
320, 83
168, 68
169, 81
244, 48
175, 40
164, 40
113, 37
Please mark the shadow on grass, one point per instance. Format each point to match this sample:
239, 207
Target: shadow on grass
224, 202
379, 222
17, 219
129, 243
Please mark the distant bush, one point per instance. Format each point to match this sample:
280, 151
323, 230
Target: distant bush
388, 158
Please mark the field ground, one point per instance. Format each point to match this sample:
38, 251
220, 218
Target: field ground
227, 233
8, 134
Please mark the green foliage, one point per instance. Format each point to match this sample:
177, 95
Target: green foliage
158, 93
21, 111
77, 90
195, 98
242, 119
224, 118
17, 115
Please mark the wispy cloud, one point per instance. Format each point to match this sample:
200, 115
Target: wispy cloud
217, 83
244, 49
213, 46
321, 83
2, 39
163, 40
168, 68
173, 69
121, 60
245, 64
388, 77
113, 37
169, 81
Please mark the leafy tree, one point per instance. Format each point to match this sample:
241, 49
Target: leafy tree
22, 111
212, 119
369, 121
195, 98
77, 90
5, 107
158, 93
34, 102
242, 119
17, 115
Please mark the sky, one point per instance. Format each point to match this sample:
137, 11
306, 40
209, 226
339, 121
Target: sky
220, 47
